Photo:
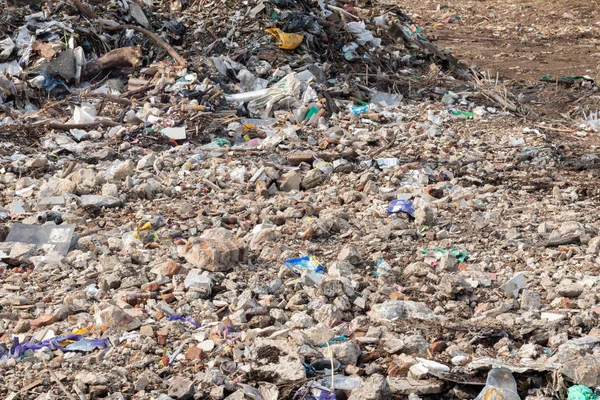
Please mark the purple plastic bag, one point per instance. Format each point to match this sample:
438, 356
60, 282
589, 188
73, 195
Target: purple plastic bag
187, 319
401, 205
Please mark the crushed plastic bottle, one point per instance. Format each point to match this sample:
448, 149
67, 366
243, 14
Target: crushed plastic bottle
499, 385
87, 345
383, 268
306, 263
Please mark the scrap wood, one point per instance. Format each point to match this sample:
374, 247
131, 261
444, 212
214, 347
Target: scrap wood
90, 125
118, 58
109, 97
61, 386
560, 241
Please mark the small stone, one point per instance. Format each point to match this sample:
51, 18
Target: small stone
161, 336
347, 352
110, 190
22, 326
569, 289
340, 268
168, 297
442, 234
217, 250
375, 387
99, 201
350, 254
407, 386
181, 388
90, 378
207, 346
425, 217
594, 246
448, 263
513, 286
170, 268
194, 353
530, 300
43, 320
438, 347
583, 370
123, 170
552, 317
147, 330
513, 234
290, 181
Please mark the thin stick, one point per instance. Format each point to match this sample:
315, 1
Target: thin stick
153, 36
108, 97
61, 386
331, 360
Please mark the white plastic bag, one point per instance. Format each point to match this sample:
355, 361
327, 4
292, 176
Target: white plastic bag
285, 92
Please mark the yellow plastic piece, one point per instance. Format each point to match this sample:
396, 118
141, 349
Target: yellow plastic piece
289, 41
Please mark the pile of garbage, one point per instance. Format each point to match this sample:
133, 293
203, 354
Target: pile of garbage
278, 199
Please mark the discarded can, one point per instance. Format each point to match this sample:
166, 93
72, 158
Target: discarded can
54, 216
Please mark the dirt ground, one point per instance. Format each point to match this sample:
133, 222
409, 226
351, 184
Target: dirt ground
523, 40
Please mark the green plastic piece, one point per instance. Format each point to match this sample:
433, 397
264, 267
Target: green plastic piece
460, 255
312, 111
580, 392
466, 114
221, 142
566, 79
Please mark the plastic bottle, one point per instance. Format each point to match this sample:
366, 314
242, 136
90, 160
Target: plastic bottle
138, 298
499, 385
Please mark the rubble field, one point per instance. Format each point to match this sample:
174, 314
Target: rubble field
299, 199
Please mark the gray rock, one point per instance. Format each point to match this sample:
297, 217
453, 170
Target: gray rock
123, 170
181, 388
340, 268
350, 254
375, 387
568, 288
448, 263
513, 286
425, 216
100, 201
594, 246
398, 309
91, 378
417, 268
530, 300
452, 285
290, 181
110, 190
346, 352
583, 370
407, 386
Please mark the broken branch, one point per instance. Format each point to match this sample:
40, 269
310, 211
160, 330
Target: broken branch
95, 124
153, 36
